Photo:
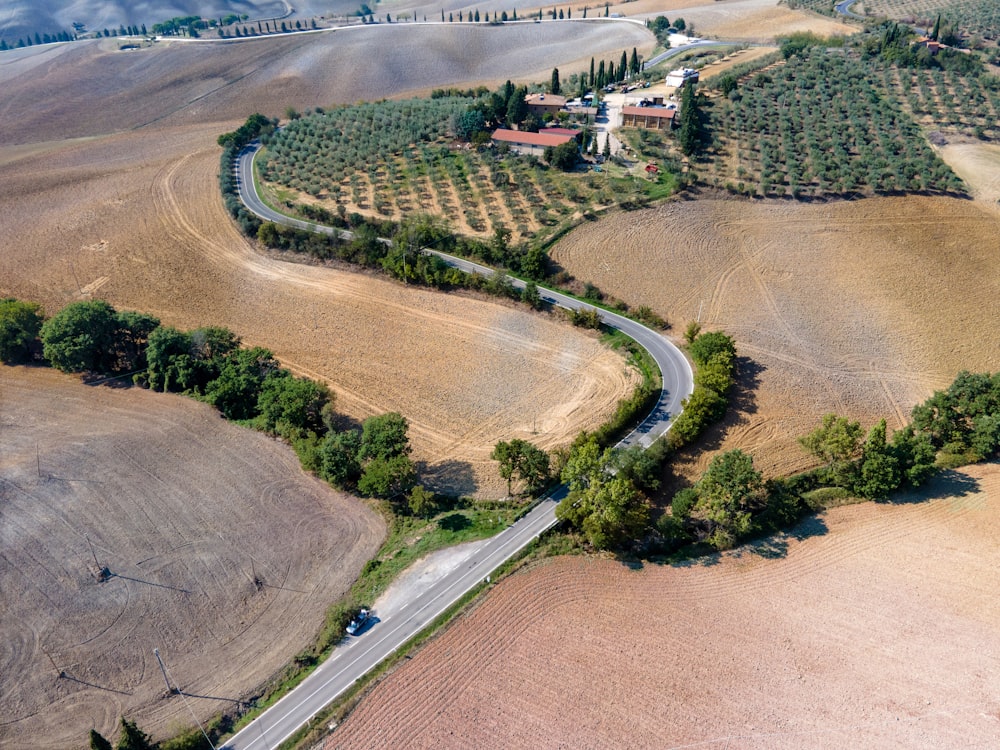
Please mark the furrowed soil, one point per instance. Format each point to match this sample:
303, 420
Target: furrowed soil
861, 308
222, 554
108, 167
872, 626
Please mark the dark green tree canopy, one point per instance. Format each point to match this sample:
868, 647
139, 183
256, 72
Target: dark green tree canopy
384, 436
20, 324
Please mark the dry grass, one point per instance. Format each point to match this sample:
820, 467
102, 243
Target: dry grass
184, 509
871, 627
860, 308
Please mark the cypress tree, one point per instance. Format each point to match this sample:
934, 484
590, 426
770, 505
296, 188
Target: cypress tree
591, 66
634, 62
623, 67
554, 86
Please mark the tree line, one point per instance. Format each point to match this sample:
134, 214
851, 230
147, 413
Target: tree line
246, 384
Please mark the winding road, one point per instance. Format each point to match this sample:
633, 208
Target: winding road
360, 654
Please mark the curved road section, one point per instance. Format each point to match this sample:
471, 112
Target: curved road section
360, 654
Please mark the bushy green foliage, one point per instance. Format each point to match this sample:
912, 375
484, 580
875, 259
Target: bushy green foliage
520, 458
20, 324
714, 354
605, 506
93, 336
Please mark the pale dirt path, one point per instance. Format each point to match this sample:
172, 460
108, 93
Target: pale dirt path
874, 626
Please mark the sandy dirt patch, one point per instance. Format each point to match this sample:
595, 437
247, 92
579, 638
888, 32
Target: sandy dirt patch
185, 510
978, 164
862, 308
421, 575
874, 626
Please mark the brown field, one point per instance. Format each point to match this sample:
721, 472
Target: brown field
737, 20
873, 626
184, 509
862, 308
135, 218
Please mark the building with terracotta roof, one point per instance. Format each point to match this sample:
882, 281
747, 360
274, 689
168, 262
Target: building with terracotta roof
651, 118
541, 104
525, 142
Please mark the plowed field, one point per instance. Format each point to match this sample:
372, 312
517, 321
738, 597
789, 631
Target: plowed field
860, 308
136, 218
185, 511
875, 626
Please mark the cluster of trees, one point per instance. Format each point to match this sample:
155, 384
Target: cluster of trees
714, 355
605, 500
662, 27
31, 40
731, 501
893, 43
210, 364
261, 27
523, 460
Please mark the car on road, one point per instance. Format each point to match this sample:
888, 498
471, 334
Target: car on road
358, 623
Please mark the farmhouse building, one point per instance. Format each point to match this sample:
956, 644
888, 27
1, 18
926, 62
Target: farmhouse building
541, 104
535, 144
651, 118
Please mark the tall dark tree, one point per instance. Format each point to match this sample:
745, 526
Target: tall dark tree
133, 738
623, 66
592, 80
689, 135
879, 474
517, 107
98, 742
554, 87
633, 63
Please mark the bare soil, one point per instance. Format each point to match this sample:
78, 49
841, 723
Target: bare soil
873, 626
861, 308
135, 217
185, 510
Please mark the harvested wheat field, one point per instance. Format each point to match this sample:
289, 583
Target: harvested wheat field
736, 20
862, 308
135, 217
873, 626
185, 511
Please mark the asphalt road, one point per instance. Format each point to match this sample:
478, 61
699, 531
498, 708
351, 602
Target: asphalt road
844, 9
379, 640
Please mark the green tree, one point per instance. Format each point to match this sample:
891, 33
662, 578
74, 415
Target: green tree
633, 63
421, 502
836, 442
728, 493
133, 738
623, 66
879, 474
291, 406
82, 337
235, 392
387, 477
531, 296
564, 156
689, 135
554, 87
517, 107
98, 742
20, 324
914, 454
170, 365
523, 459
384, 437
605, 506
339, 463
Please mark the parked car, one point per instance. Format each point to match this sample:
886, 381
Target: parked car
358, 623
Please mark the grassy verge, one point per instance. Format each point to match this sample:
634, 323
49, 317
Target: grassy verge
335, 713
409, 539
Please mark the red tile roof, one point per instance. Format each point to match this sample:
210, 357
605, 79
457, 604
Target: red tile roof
650, 112
525, 138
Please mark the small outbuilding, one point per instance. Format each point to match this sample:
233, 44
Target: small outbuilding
651, 118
